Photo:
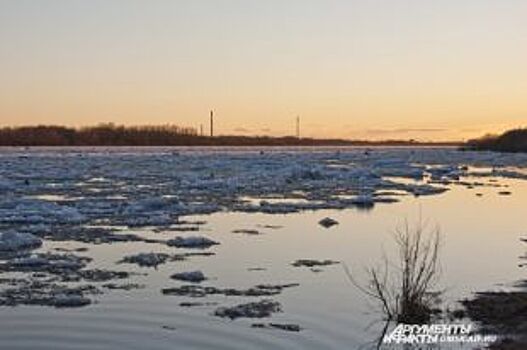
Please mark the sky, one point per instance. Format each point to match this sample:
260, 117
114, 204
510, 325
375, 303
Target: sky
368, 69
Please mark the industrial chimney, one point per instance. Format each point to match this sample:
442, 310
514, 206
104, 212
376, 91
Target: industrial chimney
297, 127
211, 123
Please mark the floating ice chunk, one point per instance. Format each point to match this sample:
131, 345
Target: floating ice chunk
247, 232
195, 291
398, 168
32, 211
152, 211
69, 215
191, 242
68, 263
150, 220
306, 173
363, 200
328, 222
36, 229
190, 276
278, 208
445, 172
425, 190
389, 162
155, 204
30, 261
11, 241
146, 259
313, 263
70, 300
289, 327
260, 309
50, 262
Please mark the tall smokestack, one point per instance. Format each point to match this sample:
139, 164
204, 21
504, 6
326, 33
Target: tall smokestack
211, 123
297, 127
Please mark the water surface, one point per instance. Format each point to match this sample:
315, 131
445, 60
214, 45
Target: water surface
480, 251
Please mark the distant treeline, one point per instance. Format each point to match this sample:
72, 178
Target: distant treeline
100, 135
165, 135
510, 141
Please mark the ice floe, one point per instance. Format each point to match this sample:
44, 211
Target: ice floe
191, 242
313, 263
13, 241
196, 291
328, 222
146, 259
288, 327
189, 276
260, 309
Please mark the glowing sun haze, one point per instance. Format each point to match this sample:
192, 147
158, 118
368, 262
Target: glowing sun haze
442, 70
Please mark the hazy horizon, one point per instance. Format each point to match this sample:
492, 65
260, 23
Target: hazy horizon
448, 70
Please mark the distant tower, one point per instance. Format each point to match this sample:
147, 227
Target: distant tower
297, 127
211, 123
201, 130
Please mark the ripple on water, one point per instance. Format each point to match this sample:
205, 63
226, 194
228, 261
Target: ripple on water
131, 325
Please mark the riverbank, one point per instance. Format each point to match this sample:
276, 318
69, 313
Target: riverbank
510, 141
503, 314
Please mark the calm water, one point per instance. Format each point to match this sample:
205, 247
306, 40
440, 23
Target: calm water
481, 250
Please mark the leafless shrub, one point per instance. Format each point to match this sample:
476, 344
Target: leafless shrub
405, 289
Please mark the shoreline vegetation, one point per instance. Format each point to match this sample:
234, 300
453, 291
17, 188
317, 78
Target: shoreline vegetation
510, 141
405, 288
167, 135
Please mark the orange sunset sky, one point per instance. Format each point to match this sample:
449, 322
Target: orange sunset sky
369, 69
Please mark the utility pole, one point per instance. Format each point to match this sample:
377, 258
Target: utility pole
211, 123
297, 127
